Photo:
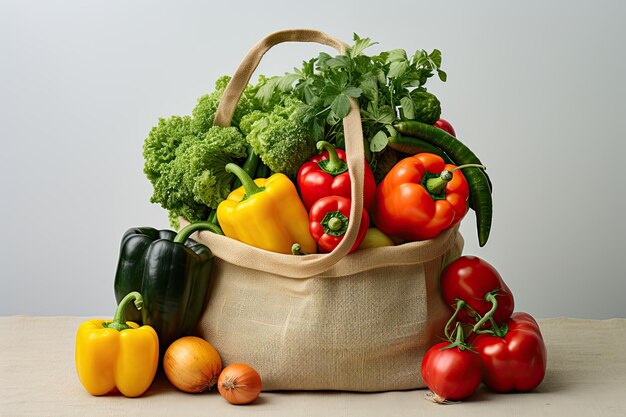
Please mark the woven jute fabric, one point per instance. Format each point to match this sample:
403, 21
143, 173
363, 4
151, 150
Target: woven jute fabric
364, 325
337, 321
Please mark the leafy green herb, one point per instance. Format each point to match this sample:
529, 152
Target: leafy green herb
383, 85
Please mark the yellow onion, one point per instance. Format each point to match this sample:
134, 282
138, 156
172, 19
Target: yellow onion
192, 364
239, 384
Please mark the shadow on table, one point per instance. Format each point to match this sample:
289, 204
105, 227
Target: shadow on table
554, 381
162, 385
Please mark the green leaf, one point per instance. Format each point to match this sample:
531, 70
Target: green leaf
392, 131
442, 75
340, 106
308, 67
330, 90
317, 130
435, 56
379, 141
332, 119
397, 69
384, 115
352, 92
309, 94
361, 64
321, 61
418, 57
414, 83
369, 87
379, 114
397, 55
408, 107
337, 79
359, 45
285, 83
266, 92
340, 140
340, 61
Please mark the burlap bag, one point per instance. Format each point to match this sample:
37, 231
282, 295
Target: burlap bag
358, 322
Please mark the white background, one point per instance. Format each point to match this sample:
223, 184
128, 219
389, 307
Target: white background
536, 89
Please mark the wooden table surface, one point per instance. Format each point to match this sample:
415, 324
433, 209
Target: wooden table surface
586, 377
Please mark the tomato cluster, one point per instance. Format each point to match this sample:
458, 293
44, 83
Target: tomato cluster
503, 349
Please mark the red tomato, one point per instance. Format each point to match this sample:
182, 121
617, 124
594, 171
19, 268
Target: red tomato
446, 126
470, 279
451, 374
517, 361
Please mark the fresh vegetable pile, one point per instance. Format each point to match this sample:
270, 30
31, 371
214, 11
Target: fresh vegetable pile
287, 136
277, 179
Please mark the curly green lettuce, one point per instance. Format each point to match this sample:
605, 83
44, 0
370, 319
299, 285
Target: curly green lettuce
195, 180
279, 137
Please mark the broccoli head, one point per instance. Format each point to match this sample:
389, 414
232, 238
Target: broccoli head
204, 164
248, 121
159, 148
280, 139
206, 108
196, 180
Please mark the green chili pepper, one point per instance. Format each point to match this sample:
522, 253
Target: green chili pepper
477, 179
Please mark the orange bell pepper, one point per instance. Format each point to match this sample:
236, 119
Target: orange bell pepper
420, 197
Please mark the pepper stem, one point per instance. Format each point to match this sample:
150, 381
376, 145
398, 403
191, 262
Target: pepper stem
119, 319
437, 184
335, 223
296, 249
333, 165
186, 231
248, 183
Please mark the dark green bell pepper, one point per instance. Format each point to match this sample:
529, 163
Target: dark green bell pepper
172, 273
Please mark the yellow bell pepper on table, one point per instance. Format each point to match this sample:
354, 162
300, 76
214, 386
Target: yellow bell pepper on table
265, 213
117, 354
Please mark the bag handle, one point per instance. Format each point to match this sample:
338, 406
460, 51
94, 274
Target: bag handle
301, 266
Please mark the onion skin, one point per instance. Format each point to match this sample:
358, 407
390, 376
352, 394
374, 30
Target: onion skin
239, 384
192, 364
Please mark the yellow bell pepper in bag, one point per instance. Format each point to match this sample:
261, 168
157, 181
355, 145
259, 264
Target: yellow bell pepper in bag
117, 354
265, 213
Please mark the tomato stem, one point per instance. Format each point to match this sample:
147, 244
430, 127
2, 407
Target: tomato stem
459, 306
459, 339
495, 329
491, 298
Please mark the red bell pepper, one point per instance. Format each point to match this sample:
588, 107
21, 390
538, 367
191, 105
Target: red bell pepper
480, 286
514, 357
420, 197
327, 174
328, 222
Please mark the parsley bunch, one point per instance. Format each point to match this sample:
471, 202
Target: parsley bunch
388, 86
